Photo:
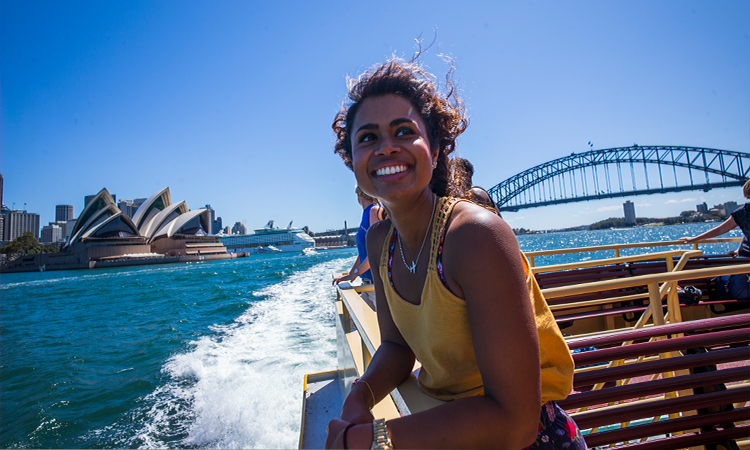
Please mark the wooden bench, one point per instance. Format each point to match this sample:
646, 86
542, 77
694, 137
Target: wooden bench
605, 303
631, 301
649, 375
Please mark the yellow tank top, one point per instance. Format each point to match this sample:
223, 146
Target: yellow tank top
438, 331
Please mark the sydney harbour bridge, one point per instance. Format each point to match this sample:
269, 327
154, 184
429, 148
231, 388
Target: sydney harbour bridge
620, 172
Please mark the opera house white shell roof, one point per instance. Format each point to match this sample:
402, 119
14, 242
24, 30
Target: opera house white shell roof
102, 218
156, 218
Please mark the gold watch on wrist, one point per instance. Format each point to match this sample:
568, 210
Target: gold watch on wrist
380, 439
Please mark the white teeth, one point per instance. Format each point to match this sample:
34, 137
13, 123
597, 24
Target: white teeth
390, 170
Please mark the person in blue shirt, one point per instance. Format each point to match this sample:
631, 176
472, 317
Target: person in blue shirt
372, 212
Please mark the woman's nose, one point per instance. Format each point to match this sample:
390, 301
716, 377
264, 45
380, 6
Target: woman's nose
388, 146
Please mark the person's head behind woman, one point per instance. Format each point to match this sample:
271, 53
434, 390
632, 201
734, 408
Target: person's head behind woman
746, 189
442, 113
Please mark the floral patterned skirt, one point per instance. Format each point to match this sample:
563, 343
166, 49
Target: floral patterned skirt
557, 430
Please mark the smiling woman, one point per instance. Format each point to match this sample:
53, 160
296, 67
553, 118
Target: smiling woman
470, 312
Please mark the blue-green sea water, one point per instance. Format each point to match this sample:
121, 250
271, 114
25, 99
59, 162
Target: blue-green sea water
200, 355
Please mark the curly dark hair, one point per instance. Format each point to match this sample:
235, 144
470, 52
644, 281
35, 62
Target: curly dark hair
444, 114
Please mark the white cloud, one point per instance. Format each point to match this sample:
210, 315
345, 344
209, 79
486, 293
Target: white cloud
642, 205
680, 201
609, 208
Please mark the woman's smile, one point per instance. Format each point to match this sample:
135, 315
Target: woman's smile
390, 170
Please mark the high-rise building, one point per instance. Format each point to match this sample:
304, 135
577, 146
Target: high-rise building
239, 228
63, 213
129, 207
213, 222
217, 225
702, 208
629, 209
730, 207
51, 234
65, 226
19, 222
227, 230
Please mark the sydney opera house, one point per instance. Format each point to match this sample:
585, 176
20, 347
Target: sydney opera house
159, 232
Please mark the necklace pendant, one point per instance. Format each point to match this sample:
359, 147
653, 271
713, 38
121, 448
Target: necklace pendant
413, 267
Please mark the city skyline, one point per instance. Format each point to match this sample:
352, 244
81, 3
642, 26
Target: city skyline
231, 103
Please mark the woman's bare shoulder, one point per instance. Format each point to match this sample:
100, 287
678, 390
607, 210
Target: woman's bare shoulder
469, 218
378, 231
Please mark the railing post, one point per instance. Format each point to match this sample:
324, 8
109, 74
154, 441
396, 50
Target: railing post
654, 297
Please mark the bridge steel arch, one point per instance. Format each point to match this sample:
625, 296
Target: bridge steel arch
565, 180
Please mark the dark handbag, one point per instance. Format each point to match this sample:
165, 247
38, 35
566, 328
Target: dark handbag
733, 287
689, 295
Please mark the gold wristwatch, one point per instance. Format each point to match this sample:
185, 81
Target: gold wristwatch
380, 439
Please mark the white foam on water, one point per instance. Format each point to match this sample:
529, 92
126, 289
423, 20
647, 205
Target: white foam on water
242, 386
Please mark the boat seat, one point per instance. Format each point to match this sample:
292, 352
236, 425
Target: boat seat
663, 387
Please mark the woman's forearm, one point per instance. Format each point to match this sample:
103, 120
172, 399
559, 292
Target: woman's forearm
474, 422
390, 366
725, 227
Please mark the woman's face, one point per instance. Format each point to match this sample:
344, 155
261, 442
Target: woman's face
391, 151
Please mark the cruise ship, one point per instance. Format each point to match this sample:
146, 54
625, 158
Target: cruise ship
269, 239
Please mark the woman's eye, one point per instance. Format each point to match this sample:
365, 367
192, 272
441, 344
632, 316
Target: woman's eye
366, 137
403, 131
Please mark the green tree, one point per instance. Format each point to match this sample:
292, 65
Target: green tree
26, 244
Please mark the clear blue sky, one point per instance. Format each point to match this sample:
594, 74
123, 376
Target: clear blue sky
230, 102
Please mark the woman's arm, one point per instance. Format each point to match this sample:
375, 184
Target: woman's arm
390, 366
725, 227
349, 276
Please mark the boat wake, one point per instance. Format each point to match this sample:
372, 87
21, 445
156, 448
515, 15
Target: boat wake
240, 386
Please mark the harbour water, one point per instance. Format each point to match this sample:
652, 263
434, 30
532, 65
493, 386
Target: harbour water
199, 355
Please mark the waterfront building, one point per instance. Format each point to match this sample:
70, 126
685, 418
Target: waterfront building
729, 207
129, 207
629, 209
239, 228
19, 222
51, 234
103, 235
173, 230
212, 215
227, 230
66, 227
63, 213
216, 225
702, 208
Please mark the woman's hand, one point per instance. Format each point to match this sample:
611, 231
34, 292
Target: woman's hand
335, 429
356, 411
343, 434
356, 407
348, 277
687, 240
